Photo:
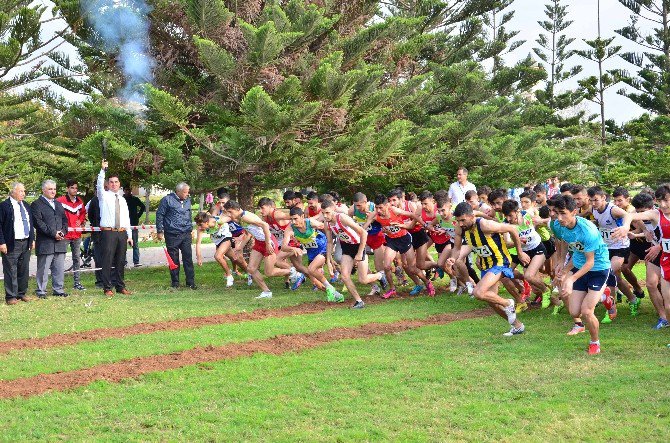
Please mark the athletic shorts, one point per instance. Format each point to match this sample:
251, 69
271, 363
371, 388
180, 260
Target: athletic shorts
539, 250
665, 266
550, 247
312, 253
594, 280
621, 252
376, 241
350, 249
439, 247
399, 244
496, 270
219, 241
419, 238
260, 246
639, 249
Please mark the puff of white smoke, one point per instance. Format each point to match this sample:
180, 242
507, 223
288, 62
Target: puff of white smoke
122, 26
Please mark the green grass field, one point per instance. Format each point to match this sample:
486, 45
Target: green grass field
457, 381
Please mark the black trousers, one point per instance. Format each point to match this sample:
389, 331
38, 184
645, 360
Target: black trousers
97, 256
176, 243
15, 267
114, 245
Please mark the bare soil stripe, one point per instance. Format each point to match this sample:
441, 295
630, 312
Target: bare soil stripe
133, 368
71, 338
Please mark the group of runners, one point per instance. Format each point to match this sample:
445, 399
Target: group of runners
575, 249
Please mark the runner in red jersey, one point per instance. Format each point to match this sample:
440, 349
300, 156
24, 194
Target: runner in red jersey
277, 221
398, 240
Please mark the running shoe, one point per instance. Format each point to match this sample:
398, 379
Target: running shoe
358, 305
453, 285
606, 319
557, 308
429, 274
515, 331
330, 293
619, 295
431, 289
293, 274
383, 281
265, 294
510, 310
546, 300
440, 272
79, 287
594, 348
470, 287
639, 294
299, 280
339, 298
576, 329
461, 290
523, 306
336, 277
230, 281
390, 293
634, 307
250, 280
375, 290
526, 291
608, 303
662, 323
416, 290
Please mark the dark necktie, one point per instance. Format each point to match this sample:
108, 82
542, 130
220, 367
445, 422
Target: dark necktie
24, 218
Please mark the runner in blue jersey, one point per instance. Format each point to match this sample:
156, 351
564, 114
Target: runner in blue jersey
586, 281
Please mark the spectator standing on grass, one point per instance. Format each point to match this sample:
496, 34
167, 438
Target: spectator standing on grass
114, 232
135, 210
173, 223
16, 242
50, 243
75, 211
458, 189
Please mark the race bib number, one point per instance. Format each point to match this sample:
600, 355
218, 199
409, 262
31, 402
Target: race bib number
310, 245
344, 237
606, 234
576, 246
482, 251
665, 246
526, 233
392, 229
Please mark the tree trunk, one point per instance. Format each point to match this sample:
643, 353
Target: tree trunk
245, 190
201, 201
147, 203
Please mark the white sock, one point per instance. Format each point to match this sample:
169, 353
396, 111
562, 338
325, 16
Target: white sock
597, 342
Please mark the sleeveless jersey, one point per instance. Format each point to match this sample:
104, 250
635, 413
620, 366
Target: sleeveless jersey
501, 219
312, 213
392, 231
360, 218
344, 233
439, 237
664, 226
448, 226
255, 231
491, 248
654, 229
587, 215
607, 224
527, 231
275, 228
236, 229
311, 238
219, 234
417, 227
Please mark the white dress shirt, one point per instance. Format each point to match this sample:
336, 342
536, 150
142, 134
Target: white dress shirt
457, 192
107, 201
18, 221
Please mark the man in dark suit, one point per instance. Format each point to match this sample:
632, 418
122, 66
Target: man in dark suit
50, 246
16, 239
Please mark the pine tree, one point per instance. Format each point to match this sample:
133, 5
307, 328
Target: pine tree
652, 83
554, 52
594, 87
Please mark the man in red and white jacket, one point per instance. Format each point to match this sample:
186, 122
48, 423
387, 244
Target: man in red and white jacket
75, 211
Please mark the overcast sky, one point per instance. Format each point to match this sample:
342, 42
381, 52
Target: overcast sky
583, 13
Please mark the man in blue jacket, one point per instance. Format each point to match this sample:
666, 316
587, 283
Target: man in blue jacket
173, 222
